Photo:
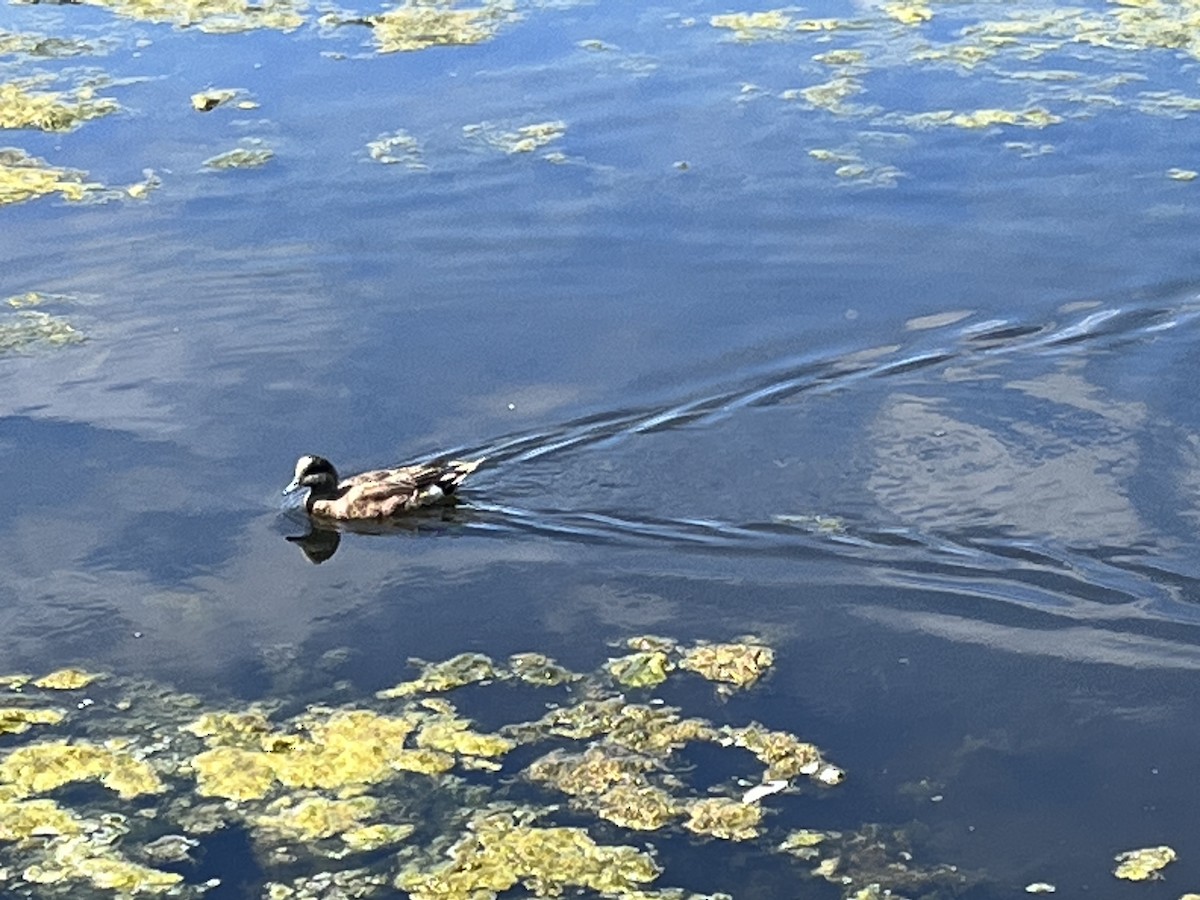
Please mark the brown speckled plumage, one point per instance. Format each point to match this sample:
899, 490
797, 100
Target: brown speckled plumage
378, 494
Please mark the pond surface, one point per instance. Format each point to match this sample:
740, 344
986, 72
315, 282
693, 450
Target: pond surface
869, 331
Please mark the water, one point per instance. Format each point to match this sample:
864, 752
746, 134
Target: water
925, 427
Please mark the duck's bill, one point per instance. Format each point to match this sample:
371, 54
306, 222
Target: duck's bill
294, 486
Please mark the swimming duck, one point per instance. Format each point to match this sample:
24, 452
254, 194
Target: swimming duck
378, 494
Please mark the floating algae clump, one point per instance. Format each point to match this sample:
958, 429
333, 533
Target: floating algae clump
640, 670
1034, 117
1144, 864
31, 327
37, 768
464, 669
398, 147
539, 669
233, 773
775, 23
610, 783
739, 664
419, 24
313, 818
335, 783
524, 139
24, 177
249, 157
14, 720
220, 16
65, 679
21, 107
327, 749
451, 734
499, 851
784, 754
722, 817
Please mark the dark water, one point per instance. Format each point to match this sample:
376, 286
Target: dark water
936, 440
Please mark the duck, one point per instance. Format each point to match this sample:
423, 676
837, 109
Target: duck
379, 494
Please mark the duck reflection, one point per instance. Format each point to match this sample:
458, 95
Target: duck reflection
323, 536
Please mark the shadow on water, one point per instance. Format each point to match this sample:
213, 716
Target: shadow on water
1043, 575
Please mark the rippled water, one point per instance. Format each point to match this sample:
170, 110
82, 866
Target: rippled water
928, 426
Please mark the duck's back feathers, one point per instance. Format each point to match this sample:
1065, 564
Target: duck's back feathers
383, 493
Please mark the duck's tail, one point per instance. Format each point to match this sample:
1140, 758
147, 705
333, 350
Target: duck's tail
454, 471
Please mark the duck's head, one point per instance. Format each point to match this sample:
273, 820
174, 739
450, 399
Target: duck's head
316, 473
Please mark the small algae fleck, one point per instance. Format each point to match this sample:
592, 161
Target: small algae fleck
1144, 864
739, 664
21, 107
14, 720
65, 679
24, 177
464, 669
1182, 174
541, 670
803, 843
206, 101
722, 817
523, 139
498, 852
251, 156
37, 768
398, 147
909, 13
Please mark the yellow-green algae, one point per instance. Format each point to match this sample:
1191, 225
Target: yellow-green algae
16, 720
32, 328
1182, 174
218, 16
208, 100
640, 670
22, 107
398, 147
611, 783
24, 177
420, 24
1143, 864
45, 46
775, 23
251, 156
740, 664
1033, 117
38, 768
908, 13
785, 755
464, 669
64, 679
722, 817
500, 851
523, 139
539, 669
304, 787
